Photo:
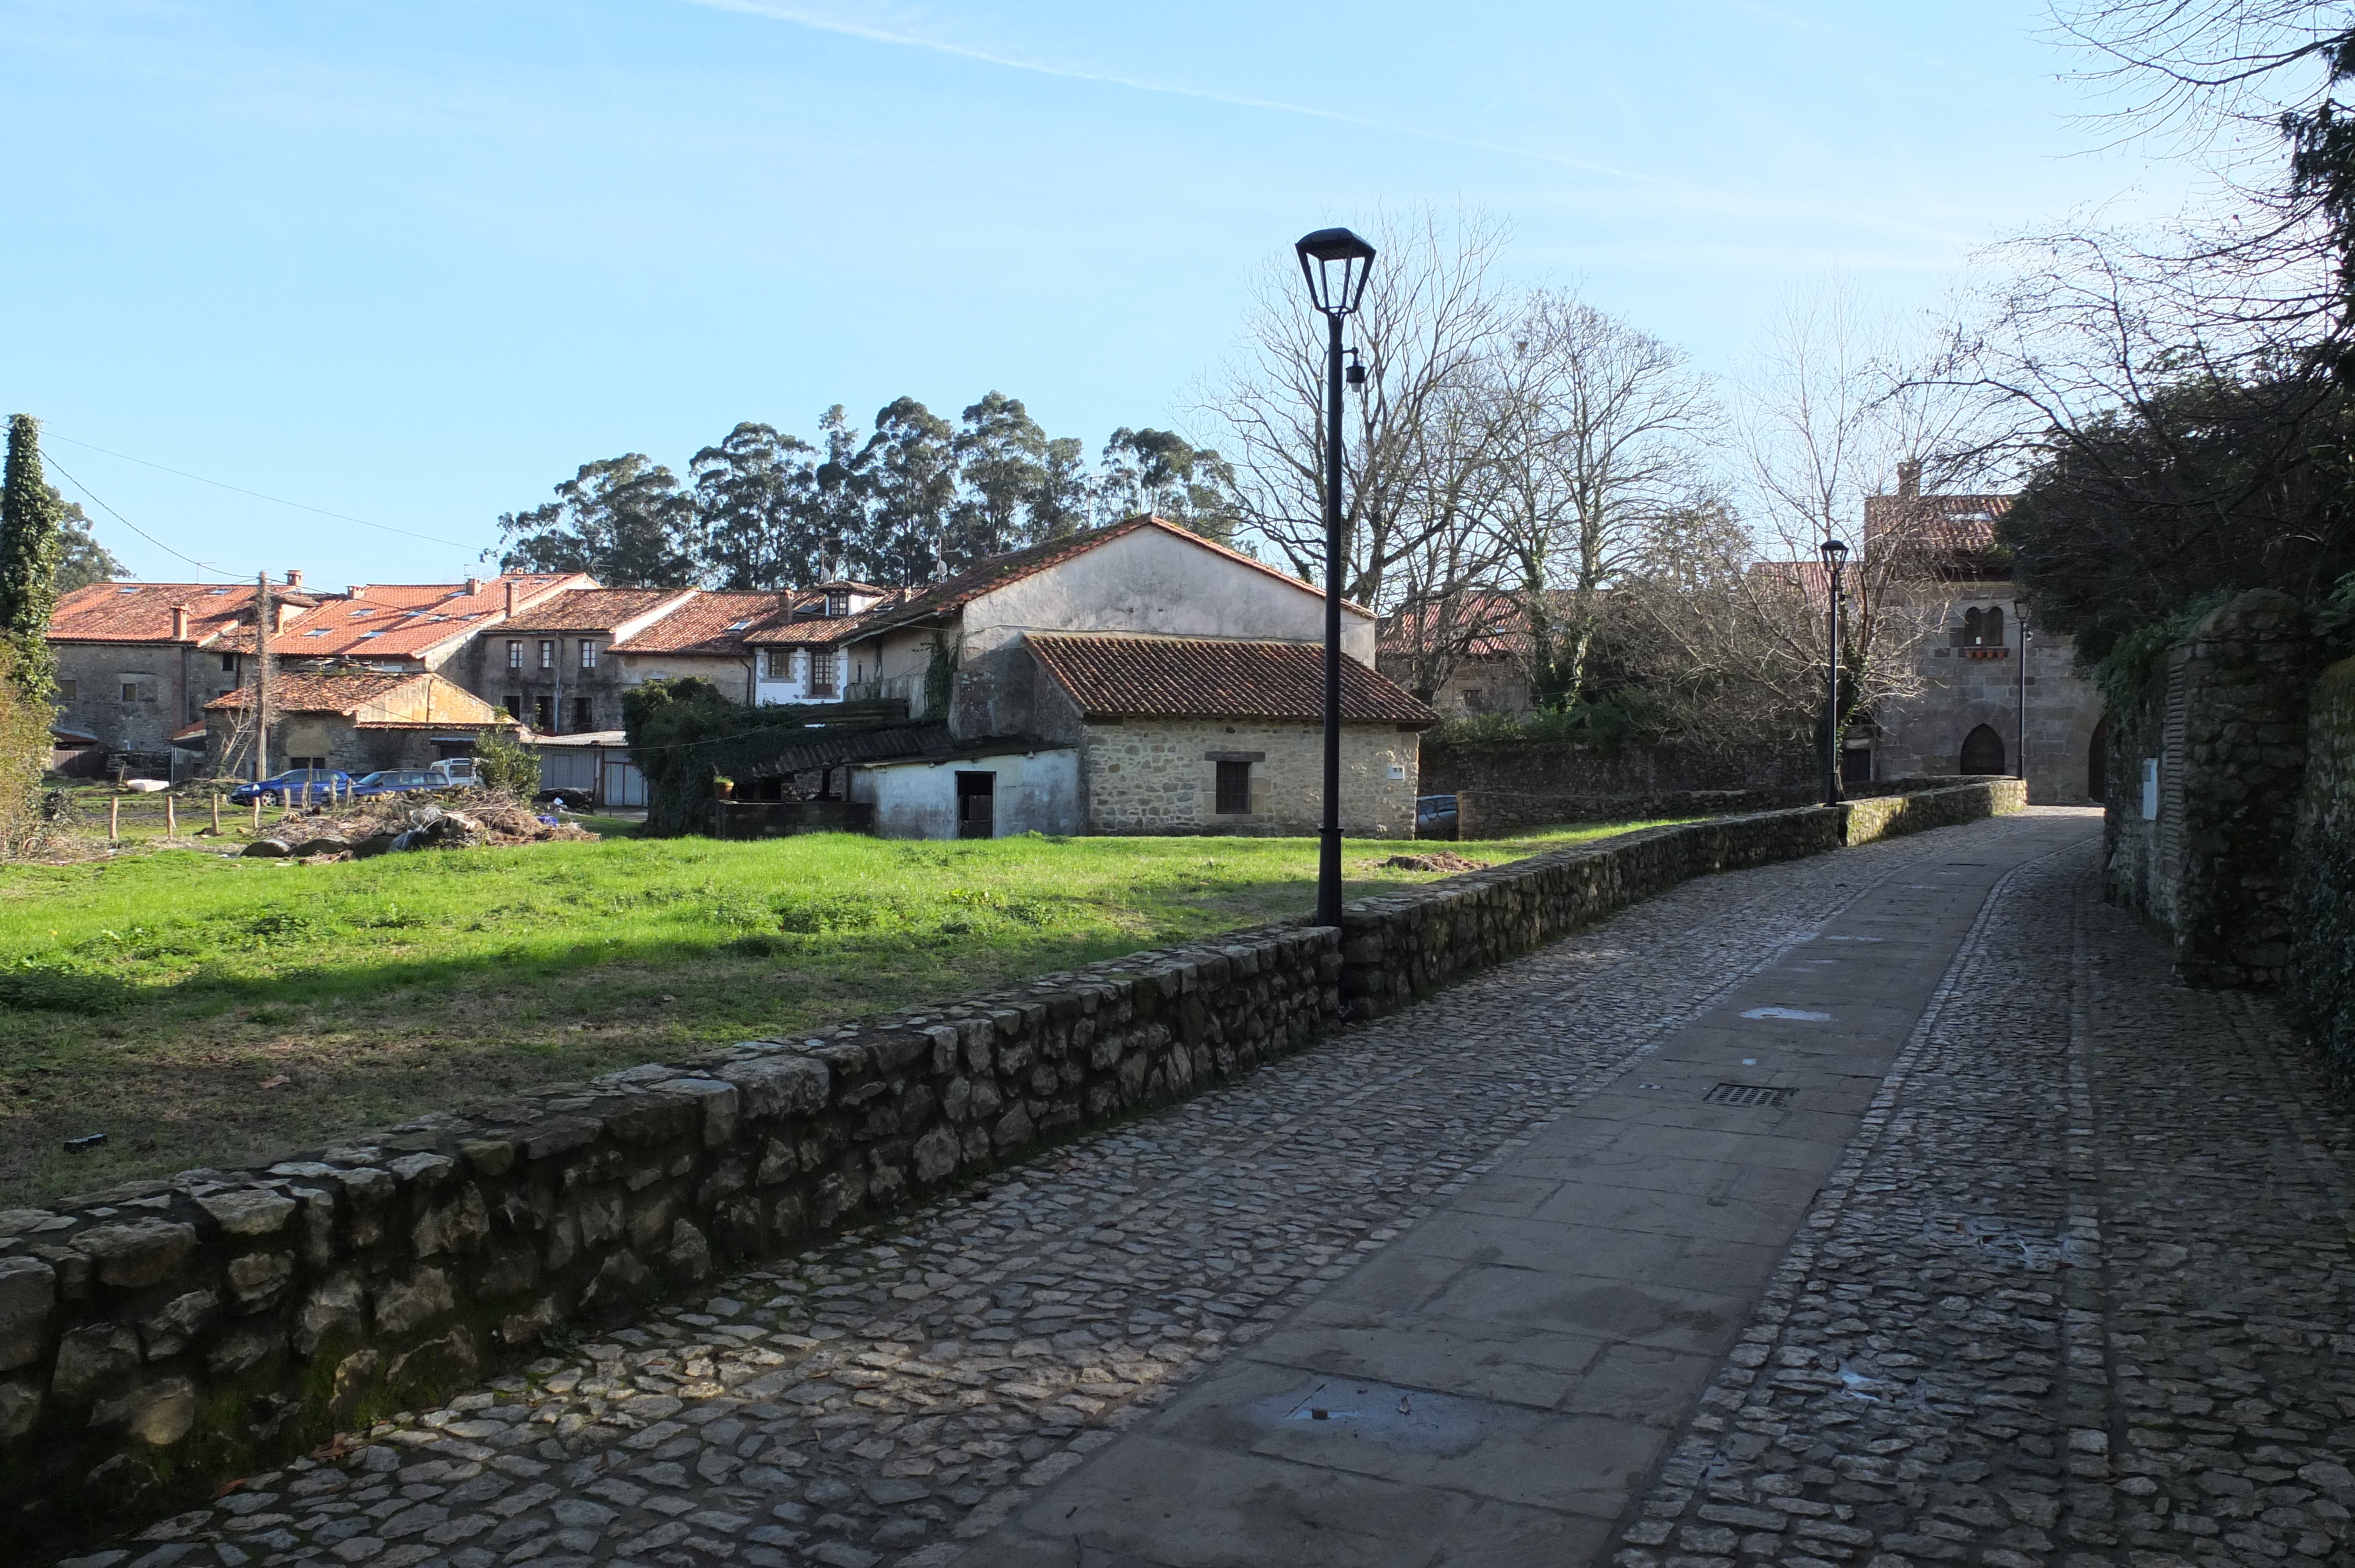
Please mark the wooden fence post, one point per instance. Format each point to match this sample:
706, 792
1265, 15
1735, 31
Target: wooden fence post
216, 814
171, 818
114, 819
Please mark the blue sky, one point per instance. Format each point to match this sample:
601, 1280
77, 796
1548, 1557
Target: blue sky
414, 264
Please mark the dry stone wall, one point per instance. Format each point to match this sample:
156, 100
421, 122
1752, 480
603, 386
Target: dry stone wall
2322, 986
158, 1339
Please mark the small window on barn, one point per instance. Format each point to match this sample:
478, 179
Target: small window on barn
1234, 789
580, 723
228, 662
515, 705
779, 664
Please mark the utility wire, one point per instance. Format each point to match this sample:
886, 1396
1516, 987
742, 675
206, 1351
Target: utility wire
274, 499
127, 523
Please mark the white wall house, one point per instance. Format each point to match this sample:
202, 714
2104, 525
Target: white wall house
994, 795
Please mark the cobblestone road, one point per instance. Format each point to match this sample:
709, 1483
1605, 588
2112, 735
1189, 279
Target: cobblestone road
1932, 1382
2079, 1294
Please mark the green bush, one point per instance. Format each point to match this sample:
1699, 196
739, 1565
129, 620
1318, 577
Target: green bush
500, 764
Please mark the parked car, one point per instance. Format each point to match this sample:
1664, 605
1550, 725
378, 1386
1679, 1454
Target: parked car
457, 770
1434, 816
294, 787
399, 781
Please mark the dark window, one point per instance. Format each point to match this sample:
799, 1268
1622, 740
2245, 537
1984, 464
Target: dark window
837, 604
228, 662
515, 705
68, 689
1982, 751
1234, 789
821, 680
543, 713
976, 799
2097, 763
581, 719
779, 664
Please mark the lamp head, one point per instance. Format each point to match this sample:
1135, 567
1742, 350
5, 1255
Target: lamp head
1835, 553
1336, 262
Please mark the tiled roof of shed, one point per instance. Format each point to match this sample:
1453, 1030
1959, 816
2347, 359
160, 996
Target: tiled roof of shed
1200, 678
329, 692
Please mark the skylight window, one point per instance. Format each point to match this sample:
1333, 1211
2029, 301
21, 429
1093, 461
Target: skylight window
357, 613
126, 590
321, 632
366, 635
738, 625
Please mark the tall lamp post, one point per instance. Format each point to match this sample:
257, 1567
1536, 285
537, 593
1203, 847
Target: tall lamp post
1835, 554
1335, 263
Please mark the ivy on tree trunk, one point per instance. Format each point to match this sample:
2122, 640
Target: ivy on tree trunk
32, 539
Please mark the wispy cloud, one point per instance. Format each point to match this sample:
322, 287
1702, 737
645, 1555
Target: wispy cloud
915, 33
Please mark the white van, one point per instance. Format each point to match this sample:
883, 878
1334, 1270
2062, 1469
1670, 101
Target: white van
456, 770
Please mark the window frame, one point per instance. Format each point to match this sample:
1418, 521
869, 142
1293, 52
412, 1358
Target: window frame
588, 652
1231, 783
548, 651
515, 652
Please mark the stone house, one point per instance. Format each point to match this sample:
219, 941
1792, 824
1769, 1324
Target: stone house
1973, 669
356, 720
1471, 651
708, 635
1133, 679
1178, 734
800, 649
550, 665
138, 662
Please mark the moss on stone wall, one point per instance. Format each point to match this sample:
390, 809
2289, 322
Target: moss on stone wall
2321, 988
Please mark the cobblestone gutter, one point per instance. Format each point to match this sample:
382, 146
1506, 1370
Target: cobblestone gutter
158, 1338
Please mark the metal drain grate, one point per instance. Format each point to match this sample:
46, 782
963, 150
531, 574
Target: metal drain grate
1749, 1094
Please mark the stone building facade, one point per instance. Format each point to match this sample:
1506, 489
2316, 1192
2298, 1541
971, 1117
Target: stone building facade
355, 720
138, 662
1191, 735
1978, 666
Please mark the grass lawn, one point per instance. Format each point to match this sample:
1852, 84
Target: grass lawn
208, 1010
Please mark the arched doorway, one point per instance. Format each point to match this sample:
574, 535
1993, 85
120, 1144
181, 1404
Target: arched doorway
2097, 763
1982, 751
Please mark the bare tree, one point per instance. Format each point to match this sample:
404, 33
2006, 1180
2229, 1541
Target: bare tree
1598, 430
1431, 313
1831, 412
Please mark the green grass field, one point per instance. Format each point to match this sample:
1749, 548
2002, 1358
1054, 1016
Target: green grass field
202, 1010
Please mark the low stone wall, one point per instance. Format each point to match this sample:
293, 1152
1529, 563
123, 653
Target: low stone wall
160, 1337
2321, 991
1505, 786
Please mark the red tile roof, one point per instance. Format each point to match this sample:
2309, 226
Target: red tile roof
1200, 678
810, 631
404, 620
996, 572
142, 612
595, 609
1483, 625
1950, 524
331, 691
711, 624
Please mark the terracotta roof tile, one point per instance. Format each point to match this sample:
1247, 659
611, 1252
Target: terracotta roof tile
329, 692
1955, 525
1188, 677
593, 609
810, 631
712, 624
403, 621
142, 612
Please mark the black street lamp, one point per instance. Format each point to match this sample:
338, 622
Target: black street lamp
1336, 263
1835, 554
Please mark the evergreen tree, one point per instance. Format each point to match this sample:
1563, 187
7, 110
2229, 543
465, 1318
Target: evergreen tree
31, 540
81, 559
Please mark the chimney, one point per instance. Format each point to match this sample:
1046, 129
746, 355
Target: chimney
179, 623
511, 596
295, 580
285, 612
360, 590
473, 587
1908, 478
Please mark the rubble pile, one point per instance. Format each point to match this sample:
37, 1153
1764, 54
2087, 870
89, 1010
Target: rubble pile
392, 824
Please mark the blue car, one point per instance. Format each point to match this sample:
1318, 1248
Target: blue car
399, 781
1434, 816
289, 789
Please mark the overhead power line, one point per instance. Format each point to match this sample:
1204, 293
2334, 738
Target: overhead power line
201, 565
50, 433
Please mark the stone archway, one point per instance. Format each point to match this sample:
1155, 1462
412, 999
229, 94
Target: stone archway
1982, 752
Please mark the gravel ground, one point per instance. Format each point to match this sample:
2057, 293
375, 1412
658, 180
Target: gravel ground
1932, 1381
2079, 1295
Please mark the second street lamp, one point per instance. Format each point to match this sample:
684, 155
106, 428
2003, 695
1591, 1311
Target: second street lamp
1835, 554
1336, 263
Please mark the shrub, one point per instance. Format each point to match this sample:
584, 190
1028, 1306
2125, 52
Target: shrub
501, 765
